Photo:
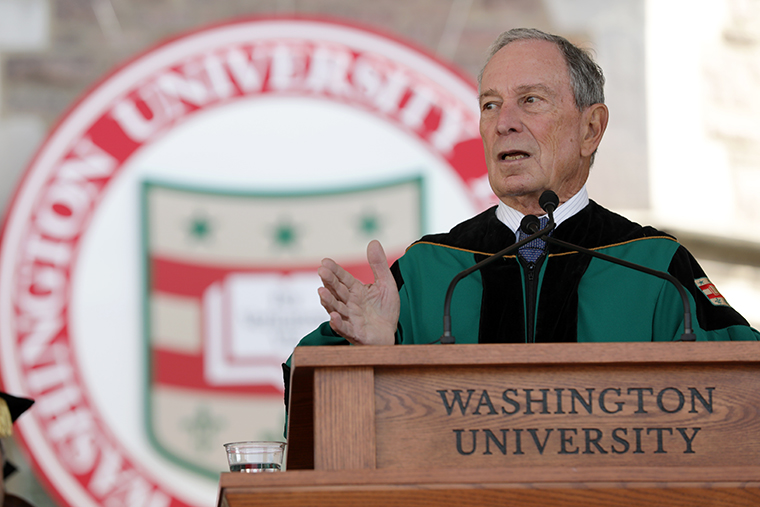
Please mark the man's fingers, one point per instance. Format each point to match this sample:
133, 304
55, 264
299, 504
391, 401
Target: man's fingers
333, 283
326, 299
329, 280
330, 303
342, 327
341, 274
363, 314
379, 263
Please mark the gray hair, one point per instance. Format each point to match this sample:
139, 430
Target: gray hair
586, 77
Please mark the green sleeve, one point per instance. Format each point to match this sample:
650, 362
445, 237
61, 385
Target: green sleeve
713, 318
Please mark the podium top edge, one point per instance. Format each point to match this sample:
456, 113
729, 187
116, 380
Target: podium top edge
496, 475
612, 353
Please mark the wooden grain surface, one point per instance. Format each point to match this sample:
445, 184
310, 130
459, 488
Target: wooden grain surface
535, 353
660, 422
681, 415
630, 476
344, 418
496, 487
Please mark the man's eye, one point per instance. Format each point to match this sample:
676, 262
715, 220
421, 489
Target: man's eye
488, 106
531, 99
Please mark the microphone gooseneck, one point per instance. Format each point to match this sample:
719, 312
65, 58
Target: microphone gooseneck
530, 224
549, 203
688, 332
447, 337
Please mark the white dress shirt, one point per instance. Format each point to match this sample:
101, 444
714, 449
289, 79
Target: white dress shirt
512, 218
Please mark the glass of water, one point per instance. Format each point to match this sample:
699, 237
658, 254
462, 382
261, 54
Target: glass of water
253, 457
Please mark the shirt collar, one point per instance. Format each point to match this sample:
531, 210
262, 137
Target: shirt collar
512, 218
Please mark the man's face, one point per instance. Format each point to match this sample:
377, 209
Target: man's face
534, 136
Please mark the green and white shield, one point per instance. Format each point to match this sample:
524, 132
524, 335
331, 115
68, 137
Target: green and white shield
230, 288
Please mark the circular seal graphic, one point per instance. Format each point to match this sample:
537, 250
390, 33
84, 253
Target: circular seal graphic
158, 259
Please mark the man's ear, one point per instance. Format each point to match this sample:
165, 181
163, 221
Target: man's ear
594, 124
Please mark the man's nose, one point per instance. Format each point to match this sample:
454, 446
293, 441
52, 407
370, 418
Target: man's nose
509, 119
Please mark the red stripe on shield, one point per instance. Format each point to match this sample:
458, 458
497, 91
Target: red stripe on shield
171, 368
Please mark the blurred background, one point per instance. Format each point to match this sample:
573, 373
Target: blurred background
682, 151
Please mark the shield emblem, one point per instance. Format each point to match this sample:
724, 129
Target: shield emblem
230, 288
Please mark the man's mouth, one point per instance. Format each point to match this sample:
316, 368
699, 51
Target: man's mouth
513, 155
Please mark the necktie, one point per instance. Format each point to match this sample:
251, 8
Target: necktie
533, 250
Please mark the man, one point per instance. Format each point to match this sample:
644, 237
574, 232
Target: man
11, 408
542, 119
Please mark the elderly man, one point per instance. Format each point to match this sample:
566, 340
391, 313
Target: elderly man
11, 408
542, 117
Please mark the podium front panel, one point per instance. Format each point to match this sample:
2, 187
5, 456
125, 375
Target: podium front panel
601, 406
574, 416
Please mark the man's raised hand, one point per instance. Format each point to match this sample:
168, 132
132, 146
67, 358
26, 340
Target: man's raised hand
362, 314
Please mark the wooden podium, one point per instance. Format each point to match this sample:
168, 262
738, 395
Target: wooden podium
542, 424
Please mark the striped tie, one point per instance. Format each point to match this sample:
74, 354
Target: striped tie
533, 250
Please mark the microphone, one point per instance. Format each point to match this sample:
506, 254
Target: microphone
548, 203
447, 337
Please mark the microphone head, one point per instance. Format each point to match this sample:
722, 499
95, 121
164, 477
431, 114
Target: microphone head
548, 201
530, 224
